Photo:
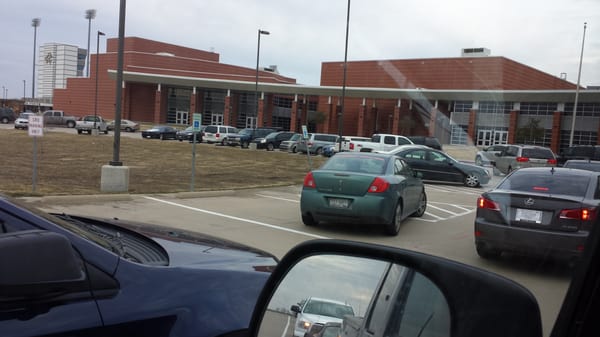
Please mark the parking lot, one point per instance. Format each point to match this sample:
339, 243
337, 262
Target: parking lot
270, 219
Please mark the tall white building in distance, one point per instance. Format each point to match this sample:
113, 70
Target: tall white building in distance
56, 63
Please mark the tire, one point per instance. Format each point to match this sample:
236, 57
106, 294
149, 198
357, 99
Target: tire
106, 132
128, 129
472, 180
79, 131
244, 144
224, 142
293, 149
270, 147
4, 120
422, 206
70, 124
319, 151
161, 137
486, 252
393, 227
308, 220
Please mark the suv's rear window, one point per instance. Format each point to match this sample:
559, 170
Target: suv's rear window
568, 184
537, 153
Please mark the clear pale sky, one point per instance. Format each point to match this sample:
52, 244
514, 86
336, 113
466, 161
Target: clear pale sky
546, 35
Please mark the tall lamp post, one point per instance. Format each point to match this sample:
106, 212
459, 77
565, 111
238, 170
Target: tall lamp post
577, 88
89, 15
260, 32
24, 84
34, 23
341, 119
96, 92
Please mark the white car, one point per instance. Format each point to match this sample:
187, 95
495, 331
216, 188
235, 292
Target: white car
318, 310
218, 133
22, 121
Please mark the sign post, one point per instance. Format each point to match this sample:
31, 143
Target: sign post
196, 127
35, 127
304, 138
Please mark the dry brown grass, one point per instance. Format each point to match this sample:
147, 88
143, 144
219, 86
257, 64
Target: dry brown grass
70, 164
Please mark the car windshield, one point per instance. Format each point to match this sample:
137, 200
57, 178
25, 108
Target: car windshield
246, 132
330, 309
567, 184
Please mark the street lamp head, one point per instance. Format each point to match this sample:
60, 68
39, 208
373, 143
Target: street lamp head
90, 14
100, 33
264, 32
35, 22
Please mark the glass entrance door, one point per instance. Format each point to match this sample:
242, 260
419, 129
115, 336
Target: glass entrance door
216, 119
182, 117
251, 122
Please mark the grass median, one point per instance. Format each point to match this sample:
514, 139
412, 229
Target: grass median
70, 164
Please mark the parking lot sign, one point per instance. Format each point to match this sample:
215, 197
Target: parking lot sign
197, 122
35, 125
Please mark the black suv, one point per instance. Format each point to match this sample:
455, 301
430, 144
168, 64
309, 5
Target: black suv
590, 152
7, 115
273, 140
432, 142
247, 135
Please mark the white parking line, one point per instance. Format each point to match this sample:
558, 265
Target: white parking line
236, 218
277, 198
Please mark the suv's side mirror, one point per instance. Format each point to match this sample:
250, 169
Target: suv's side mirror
393, 290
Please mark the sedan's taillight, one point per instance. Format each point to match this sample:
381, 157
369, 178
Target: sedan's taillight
552, 161
379, 185
522, 159
351, 146
217, 135
584, 214
486, 203
309, 181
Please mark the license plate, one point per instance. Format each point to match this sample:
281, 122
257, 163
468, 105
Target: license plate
528, 215
339, 203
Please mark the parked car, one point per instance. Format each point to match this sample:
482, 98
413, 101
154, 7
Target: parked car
245, 136
379, 142
218, 133
538, 211
363, 188
583, 164
314, 310
348, 142
316, 142
514, 157
23, 120
7, 115
126, 125
273, 140
487, 156
590, 152
438, 166
162, 132
291, 145
330, 150
67, 275
88, 123
428, 141
188, 134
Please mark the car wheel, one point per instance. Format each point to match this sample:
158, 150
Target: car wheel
224, 142
472, 180
4, 120
319, 151
128, 129
422, 205
244, 145
70, 124
478, 161
270, 147
106, 132
486, 252
161, 137
394, 226
79, 132
308, 220
294, 149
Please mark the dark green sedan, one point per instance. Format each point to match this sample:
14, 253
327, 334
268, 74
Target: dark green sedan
365, 188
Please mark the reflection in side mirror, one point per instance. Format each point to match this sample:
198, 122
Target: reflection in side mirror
352, 296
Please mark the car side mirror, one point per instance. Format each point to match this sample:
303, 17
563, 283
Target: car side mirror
391, 291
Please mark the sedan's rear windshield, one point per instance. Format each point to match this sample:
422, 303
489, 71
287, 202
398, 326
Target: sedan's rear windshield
566, 184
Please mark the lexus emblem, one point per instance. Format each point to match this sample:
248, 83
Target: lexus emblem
529, 202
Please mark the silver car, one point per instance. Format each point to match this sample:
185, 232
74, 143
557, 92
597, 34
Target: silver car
514, 157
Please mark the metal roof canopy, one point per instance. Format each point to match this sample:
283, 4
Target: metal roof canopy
546, 96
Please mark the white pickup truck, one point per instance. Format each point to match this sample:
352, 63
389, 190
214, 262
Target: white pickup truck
378, 142
88, 123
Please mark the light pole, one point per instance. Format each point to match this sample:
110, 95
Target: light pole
96, 92
24, 83
89, 15
577, 88
341, 119
260, 32
34, 23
